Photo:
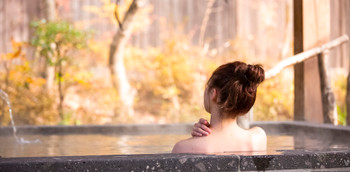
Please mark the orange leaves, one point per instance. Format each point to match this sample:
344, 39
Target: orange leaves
20, 73
16, 50
35, 81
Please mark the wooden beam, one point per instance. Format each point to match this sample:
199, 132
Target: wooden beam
299, 58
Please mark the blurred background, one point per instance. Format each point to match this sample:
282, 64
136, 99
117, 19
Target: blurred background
70, 62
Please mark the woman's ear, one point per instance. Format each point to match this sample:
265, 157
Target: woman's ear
213, 95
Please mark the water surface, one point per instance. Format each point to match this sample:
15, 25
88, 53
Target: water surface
97, 144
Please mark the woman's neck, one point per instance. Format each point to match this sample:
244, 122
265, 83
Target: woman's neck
217, 122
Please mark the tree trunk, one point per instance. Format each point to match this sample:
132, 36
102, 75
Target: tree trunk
50, 15
50, 9
329, 107
205, 22
116, 61
50, 77
60, 91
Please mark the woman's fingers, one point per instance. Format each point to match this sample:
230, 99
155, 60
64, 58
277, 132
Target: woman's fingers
203, 127
196, 134
203, 121
200, 130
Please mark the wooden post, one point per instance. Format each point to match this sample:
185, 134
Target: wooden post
327, 95
316, 26
346, 5
299, 93
347, 100
299, 90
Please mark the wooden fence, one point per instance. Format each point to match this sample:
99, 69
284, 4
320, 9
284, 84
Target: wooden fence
328, 101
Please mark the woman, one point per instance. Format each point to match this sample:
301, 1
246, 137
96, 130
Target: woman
230, 92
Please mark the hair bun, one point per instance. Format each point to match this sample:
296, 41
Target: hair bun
255, 74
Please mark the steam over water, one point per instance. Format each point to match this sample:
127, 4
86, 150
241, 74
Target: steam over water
96, 144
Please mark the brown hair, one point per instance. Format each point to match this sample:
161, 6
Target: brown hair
237, 83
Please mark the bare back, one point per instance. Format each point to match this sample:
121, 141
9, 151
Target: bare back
220, 141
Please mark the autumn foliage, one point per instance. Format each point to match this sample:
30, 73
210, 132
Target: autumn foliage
169, 79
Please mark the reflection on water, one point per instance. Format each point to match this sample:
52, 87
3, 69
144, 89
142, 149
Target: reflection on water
75, 145
280, 143
93, 144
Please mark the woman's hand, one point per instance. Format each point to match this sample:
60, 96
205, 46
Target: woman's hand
201, 128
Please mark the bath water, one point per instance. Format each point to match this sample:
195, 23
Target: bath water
116, 144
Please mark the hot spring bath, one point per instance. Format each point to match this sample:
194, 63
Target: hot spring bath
291, 145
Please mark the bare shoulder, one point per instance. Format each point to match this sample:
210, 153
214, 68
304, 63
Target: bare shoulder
257, 131
258, 136
191, 145
180, 146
